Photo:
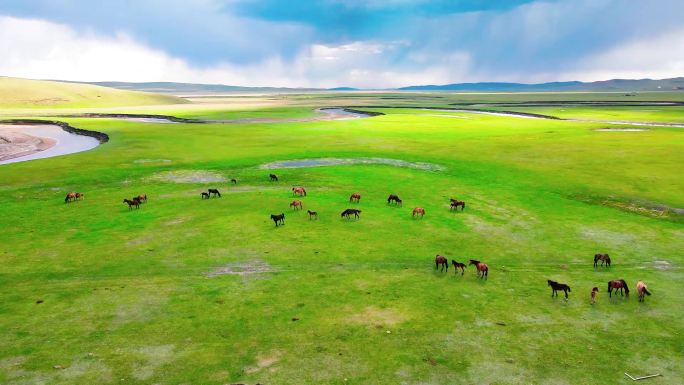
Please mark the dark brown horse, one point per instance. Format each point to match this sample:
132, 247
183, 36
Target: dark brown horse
273, 177
604, 258
355, 197
458, 265
555, 287
618, 284
418, 211
482, 268
297, 205
204, 195
395, 199
132, 203
349, 212
280, 218
214, 192
312, 214
441, 260
642, 289
233, 181
298, 191
455, 204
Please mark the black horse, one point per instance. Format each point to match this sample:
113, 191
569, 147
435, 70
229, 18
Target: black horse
204, 195
273, 177
395, 199
278, 218
233, 181
214, 192
555, 287
349, 212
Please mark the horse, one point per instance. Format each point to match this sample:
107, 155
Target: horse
132, 203
618, 284
482, 268
604, 258
395, 199
278, 218
455, 203
312, 214
273, 177
555, 286
349, 212
214, 192
458, 265
443, 261
296, 204
298, 191
355, 197
418, 210
72, 196
642, 289
142, 198
233, 181
594, 291
204, 195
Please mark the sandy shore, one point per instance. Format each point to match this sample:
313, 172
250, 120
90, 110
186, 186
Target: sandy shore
14, 143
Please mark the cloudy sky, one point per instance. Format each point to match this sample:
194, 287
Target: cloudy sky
330, 43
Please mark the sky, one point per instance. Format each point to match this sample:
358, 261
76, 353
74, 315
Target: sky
335, 43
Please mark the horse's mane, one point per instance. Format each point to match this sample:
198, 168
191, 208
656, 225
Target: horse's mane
625, 285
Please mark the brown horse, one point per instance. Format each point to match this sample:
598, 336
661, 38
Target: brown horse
458, 265
642, 289
555, 287
312, 214
594, 291
604, 258
142, 198
132, 203
298, 191
73, 196
618, 284
455, 203
296, 204
482, 268
443, 261
355, 197
417, 211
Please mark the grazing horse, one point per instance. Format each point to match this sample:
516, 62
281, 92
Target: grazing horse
395, 199
204, 195
273, 177
418, 210
280, 218
458, 265
296, 204
142, 198
594, 291
214, 192
604, 258
233, 181
298, 191
72, 196
132, 203
455, 203
555, 286
443, 261
618, 284
349, 212
482, 268
312, 214
642, 289
355, 197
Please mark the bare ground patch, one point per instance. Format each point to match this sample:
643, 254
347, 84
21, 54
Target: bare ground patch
153, 357
621, 129
263, 361
256, 266
188, 176
662, 265
646, 208
322, 162
374, 316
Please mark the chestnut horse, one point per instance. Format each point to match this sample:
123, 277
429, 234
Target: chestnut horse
594, 291
618, 284
642, 289
355, 197
482, 268
455, 203
132, 203
298, 191
458, 265
296, 204
418, 210
555, 287
312, 214
604, 258
441, 260
73, 196
142, 198
395, 199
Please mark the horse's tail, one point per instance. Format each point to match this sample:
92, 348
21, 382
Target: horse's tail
646, 291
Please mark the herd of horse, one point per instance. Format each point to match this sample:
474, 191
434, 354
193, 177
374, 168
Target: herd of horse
481, 268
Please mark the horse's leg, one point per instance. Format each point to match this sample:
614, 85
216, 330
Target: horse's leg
566, 293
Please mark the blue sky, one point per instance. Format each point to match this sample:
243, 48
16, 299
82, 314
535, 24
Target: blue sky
328, 43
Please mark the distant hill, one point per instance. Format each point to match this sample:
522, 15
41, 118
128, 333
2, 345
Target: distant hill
193, 88
621, 85
26, 93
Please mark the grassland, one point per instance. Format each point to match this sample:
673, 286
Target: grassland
142, 297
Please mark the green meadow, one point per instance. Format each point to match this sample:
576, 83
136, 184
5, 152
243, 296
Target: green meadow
192, 291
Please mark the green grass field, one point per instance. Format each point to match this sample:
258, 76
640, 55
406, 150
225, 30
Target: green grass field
141, 297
